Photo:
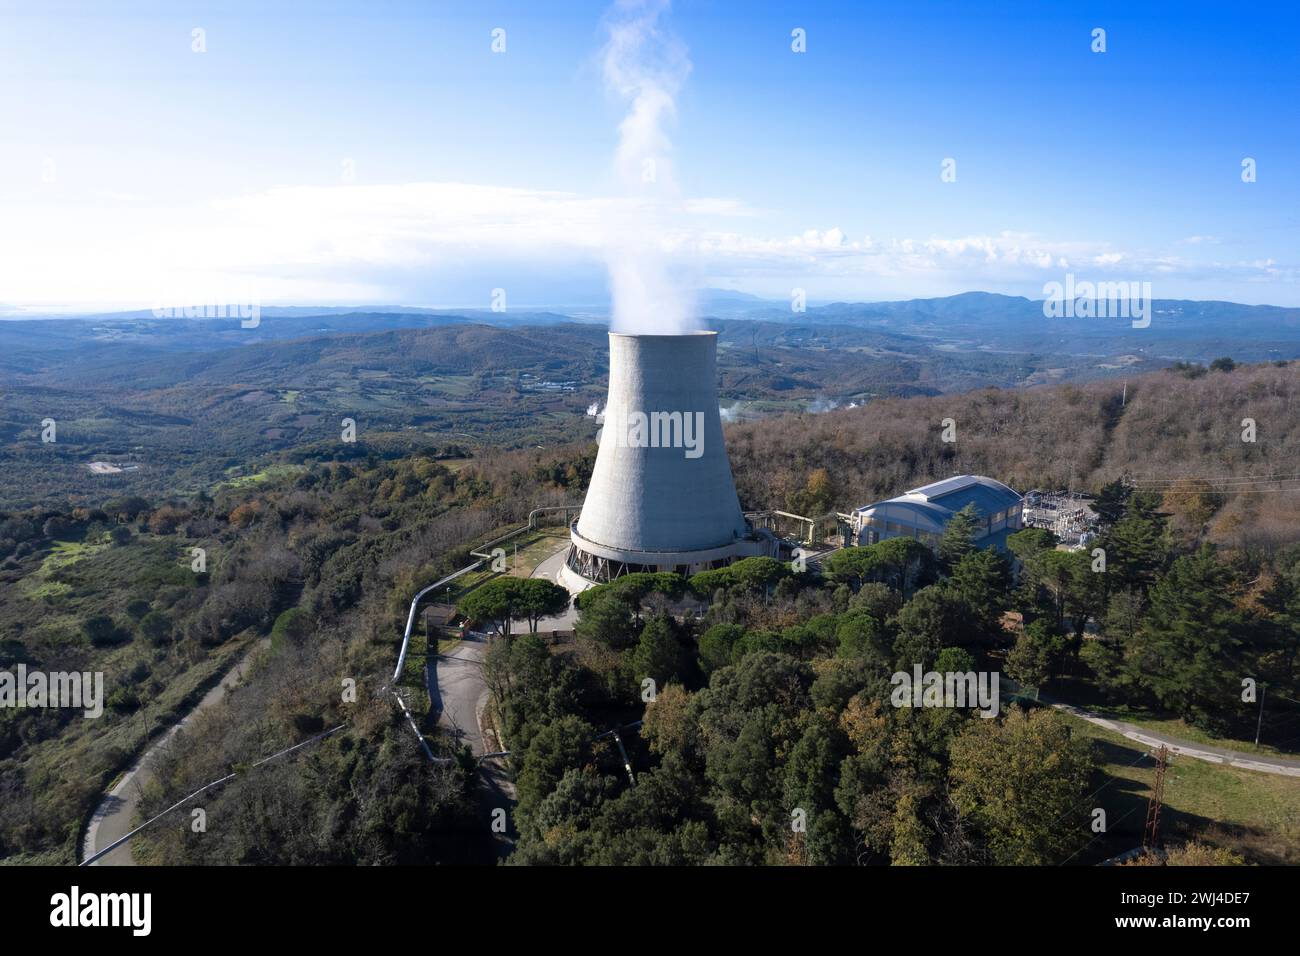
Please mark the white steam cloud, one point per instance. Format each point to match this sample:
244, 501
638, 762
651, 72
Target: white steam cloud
645, 65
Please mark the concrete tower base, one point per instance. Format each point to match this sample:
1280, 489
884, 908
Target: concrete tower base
597, 563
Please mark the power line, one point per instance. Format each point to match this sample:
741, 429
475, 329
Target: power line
215, 783
1197, 485
1112, 779
1095, 838
1276, 476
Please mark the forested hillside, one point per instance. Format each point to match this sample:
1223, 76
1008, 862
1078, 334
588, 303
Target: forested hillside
1175, 424
322, 551
176, 420
322, 560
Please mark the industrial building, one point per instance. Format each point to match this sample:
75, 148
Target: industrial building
661, 496
924, 512
1067, 514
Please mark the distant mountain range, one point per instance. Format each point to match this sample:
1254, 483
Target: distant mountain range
983, 321
194, 401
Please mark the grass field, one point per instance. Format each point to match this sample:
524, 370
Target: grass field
534, 548
275, 471
523, 554
63, 555
1185, 731
1254, 814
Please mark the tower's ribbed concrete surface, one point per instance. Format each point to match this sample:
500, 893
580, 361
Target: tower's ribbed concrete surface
648, 507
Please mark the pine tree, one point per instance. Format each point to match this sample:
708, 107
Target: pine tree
1112, 502
983, 578
958, 538
1136, 547
1189, 652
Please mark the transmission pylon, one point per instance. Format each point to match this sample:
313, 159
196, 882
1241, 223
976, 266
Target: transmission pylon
1157, 799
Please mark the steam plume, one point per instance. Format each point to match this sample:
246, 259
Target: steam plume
645, 65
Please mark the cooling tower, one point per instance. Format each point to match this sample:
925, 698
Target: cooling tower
661, 496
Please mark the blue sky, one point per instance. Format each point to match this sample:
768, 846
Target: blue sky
382, 152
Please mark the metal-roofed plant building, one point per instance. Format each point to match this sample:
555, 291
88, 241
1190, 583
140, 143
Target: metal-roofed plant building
924, 512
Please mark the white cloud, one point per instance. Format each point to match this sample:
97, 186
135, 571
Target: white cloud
406, 242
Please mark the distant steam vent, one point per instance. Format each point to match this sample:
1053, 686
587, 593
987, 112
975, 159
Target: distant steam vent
661, 495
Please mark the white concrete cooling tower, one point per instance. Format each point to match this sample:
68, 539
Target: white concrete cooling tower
661, 496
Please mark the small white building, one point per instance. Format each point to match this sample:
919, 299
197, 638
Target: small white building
924, 512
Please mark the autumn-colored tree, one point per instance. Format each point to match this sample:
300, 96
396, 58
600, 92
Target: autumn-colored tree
1193, 501
668, 726
1019, 781
166, 519
817, 496
245, 514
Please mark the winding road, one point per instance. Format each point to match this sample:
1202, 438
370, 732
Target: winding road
457, 691
458, 694
115, 815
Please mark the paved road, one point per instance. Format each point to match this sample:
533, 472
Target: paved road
115, 816
1284, 766
459, 696
457, 692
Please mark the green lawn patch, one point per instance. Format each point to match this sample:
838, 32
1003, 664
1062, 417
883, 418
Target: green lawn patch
1254, 814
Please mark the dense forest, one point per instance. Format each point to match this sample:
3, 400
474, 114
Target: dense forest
772, 732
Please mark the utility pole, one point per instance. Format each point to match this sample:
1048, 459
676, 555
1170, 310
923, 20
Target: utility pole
1157, 798
1260, 722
